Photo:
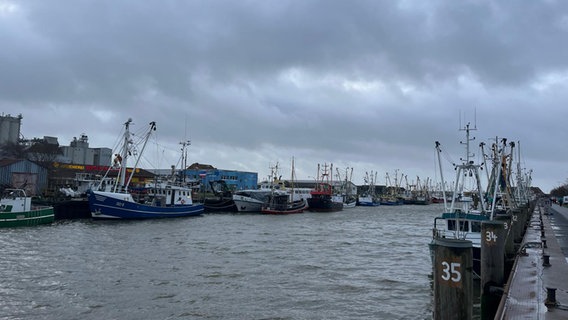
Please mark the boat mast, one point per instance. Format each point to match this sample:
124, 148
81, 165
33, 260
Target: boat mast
441, 175
292, 177
124, 160
152, 128
184, 157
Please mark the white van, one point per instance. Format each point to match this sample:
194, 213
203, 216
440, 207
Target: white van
565, 201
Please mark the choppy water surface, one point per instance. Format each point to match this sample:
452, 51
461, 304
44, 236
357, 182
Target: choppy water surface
361, 263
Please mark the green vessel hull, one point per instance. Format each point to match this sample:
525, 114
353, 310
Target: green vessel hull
27, 218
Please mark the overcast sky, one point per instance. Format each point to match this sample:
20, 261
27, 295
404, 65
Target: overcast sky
368, 85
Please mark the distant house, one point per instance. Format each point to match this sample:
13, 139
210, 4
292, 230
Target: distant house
22, 173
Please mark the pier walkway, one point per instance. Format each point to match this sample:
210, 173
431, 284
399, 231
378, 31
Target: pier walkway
538, 284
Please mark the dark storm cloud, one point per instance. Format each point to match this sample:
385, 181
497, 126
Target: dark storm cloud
370, 82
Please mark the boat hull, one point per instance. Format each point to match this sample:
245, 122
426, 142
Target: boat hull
288, 211
104, 205
351, 204
72, 209
286, 208
391, 202
248, 205
323, 204
369, 204
33, 217
218, 205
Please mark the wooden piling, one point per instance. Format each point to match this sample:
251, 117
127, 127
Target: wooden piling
492, 266
453, 279
518, 225
509, 245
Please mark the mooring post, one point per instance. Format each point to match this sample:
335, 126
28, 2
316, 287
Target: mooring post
492, 266
453, 279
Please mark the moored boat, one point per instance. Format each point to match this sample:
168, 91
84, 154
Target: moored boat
280, 204
322, 196
251, 200
462, 217
281, 199
16, 210
391, 197
366, 200
167, 200
222, 200
368, 197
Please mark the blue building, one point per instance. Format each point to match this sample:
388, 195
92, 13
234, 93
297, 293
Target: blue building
235, 180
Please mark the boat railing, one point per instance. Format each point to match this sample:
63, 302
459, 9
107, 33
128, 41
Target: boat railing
460, 229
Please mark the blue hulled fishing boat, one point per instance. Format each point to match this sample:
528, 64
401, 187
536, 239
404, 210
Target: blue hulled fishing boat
162, 200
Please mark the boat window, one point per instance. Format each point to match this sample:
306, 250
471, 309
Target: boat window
475, 226
451, 224
464, 225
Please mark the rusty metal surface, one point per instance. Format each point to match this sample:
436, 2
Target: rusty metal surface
529, 285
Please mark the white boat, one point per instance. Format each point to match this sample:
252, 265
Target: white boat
251, 200
164, 201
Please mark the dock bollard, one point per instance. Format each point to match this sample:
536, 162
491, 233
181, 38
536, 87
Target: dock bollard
453, 280
546, 260
550, 297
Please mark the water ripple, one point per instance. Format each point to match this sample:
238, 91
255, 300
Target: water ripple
362, 263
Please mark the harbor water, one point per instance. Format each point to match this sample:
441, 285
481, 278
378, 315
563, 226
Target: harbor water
360, 263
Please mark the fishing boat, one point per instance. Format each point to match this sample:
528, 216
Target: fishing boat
282, 200
280, 204
391, 197
16, 210
322, 197
164, 200
222, 199
463, 215
71, 202
346, 190
368, 197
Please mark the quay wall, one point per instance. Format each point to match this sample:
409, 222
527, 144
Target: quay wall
537, 287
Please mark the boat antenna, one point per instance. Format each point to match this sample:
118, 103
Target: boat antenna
475, 118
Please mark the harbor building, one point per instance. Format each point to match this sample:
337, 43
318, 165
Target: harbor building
78, 152
24, 174
235, 180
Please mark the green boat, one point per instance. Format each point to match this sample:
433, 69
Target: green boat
16, 210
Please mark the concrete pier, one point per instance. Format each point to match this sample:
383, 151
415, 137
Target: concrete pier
537, 287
